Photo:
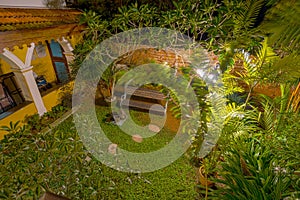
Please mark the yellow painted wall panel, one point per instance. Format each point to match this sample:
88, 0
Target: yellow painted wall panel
51, 99
43, 65
18, 115
5, 67
20, 52
75, 39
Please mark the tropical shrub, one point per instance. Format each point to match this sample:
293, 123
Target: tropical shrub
262, 165
221, 27
248, 172
260, 153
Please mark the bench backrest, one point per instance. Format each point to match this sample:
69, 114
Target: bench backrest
140, 92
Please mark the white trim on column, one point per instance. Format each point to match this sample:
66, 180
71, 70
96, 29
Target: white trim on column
66, 45
29, 55
25, 77
34, 91
17, 65
13, 58
67, 48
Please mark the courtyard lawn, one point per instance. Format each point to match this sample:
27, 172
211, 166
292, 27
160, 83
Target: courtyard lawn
58, 162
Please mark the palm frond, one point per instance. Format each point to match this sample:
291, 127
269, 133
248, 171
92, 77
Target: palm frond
248, 14
268, 119
282, 24
285, 69
294, 101
239, 121
265, 54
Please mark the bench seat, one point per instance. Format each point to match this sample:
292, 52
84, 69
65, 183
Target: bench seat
144, 106
140, 92
141, 98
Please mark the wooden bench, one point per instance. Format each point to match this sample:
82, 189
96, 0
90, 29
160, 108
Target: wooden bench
141, 98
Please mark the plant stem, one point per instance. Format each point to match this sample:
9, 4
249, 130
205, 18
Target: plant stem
206, 181
249, 95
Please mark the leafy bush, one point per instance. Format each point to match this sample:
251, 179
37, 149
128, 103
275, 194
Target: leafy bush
285, 145
249, 173
36, 123
264, 163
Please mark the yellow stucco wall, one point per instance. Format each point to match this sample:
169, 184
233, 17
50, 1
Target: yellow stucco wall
41, 66
75, 39
4, 66
18, 115
51, 99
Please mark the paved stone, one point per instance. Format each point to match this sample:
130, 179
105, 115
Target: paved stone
154, 128
137, 138
112, 149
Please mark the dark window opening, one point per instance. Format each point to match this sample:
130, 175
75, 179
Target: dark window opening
10, 93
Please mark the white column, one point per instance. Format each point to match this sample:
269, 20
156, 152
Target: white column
31, 86
22, 84
24, 76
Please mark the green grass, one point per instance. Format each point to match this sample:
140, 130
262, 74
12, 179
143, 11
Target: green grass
58, 162
124, 140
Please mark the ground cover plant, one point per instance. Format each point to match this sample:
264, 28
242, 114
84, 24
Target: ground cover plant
35, 123
58, 162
